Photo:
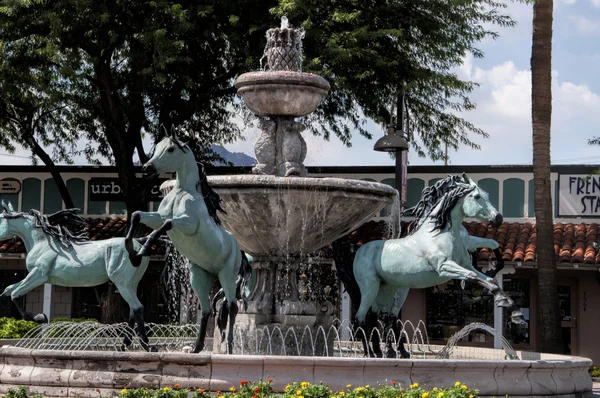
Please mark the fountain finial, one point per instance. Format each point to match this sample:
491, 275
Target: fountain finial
285, 24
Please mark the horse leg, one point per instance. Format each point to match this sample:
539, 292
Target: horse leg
33, 279
389, 300
146, 249
368, 296
372, 319
202, 283
228, 278
136, 315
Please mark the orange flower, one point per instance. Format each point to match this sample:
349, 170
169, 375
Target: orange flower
244, 382
176, 385
218, 392
256, 389
394, 383
201, 391
255, 396
270, 380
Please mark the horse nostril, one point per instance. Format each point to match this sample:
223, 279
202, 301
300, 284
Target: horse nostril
499, 219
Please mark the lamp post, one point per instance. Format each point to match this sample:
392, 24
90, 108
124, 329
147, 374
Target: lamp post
394, 141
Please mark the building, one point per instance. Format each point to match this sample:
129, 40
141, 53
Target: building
444, 309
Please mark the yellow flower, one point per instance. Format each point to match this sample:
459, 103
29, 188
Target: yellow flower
342, 393
367, 386
301, 396
425, 395
414, 385
124, 391
348, 385
288, 387
440, 394
304, 384
471, 396
463, 387
166, 389
361, 397
231, 388
434, 389
221, 396
299, 392
457, 384
359, 389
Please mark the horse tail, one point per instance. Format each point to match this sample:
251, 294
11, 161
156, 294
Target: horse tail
343, 256
241, 283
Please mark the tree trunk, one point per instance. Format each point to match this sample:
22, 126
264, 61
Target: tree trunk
541, 112
60, 182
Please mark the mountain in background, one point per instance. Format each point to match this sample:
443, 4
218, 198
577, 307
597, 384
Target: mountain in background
237, 158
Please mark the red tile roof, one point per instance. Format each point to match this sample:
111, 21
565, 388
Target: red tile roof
573, 243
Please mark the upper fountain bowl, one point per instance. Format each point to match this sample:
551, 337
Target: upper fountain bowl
281, 216
281, 93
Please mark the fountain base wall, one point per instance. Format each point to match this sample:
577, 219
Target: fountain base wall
82, 373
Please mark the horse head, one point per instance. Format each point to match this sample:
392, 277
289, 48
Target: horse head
476, 204
168, 156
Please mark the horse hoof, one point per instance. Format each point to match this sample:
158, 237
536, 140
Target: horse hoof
40, 318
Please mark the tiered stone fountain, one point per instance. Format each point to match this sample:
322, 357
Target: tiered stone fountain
279, 215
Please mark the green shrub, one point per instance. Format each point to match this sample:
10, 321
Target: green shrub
21, 392
11, 328
595, 371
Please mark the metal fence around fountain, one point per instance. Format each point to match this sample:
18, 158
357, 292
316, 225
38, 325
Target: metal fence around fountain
274, 340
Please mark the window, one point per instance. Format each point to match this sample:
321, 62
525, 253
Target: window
76, 188
518, 289
414, 189
52, 199
492, 187
32, 194
450, 308
513, 197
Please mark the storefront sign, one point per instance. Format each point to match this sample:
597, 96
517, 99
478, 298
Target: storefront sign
10, 186
578, 195
109, 189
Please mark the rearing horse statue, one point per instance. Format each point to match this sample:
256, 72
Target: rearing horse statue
433, 253
189, 218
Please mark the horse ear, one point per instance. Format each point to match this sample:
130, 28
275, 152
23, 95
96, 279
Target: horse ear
4, 206
162, 126
10, 208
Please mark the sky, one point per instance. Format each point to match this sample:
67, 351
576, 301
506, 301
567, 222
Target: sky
503, 99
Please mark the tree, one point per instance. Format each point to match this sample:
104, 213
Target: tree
136, 65
541, 116
368, 50
35, 109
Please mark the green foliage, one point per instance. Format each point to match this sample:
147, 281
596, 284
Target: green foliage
21, 392
368, 50
595, 371
11, 328
304, 389
110, 72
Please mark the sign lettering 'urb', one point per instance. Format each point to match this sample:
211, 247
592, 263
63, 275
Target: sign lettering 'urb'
579, 195
108, 189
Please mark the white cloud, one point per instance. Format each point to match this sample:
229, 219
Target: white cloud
596, 3
585, 25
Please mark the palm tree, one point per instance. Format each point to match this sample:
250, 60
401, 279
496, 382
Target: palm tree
541, 115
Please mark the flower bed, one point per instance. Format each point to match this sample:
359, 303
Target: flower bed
263, 389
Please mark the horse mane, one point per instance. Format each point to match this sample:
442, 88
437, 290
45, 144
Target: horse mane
58, 226
449, 190
212, 200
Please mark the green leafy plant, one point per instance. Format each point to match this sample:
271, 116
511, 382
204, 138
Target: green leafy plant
595, 371
11, 328
74, 320
20, 392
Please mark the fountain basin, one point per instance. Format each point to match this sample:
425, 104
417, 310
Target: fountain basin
281, 216
82, 373
282, 93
